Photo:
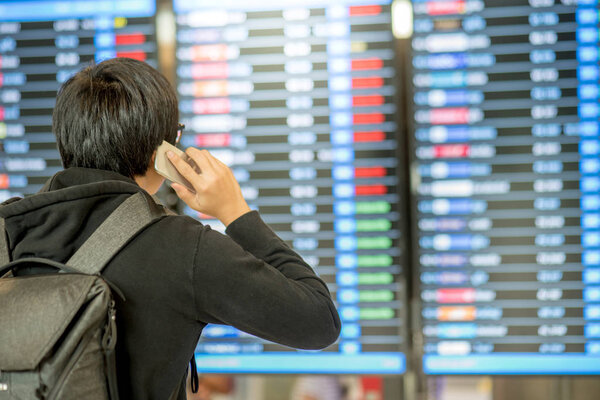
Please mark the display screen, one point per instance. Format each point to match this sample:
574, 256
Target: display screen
42, 43
506, 151
301, 99
298, 99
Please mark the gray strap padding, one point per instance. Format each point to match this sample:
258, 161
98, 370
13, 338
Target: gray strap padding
4, 251
106, 241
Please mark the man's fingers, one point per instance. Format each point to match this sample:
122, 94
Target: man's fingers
214, 162
218, 162
182, 167
202, 158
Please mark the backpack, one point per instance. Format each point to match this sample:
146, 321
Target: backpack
58, 330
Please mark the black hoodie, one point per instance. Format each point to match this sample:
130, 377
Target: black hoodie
177, 275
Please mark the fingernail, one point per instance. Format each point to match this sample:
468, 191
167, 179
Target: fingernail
170, 154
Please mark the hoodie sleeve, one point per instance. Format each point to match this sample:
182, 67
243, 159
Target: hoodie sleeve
253, 281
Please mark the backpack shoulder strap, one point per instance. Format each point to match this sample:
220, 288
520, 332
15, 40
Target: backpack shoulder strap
134, 214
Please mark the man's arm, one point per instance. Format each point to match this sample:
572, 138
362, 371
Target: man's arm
259, 285
253, 282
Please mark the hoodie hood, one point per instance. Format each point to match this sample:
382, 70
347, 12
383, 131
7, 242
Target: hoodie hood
55, 222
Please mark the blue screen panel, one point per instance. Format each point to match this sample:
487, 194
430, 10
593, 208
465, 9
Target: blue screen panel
512, 364
43, 10
319, 363
506, 149
298, 99
42, 44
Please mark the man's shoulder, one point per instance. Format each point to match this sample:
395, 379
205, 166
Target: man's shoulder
183, 230
178, 224
163, 251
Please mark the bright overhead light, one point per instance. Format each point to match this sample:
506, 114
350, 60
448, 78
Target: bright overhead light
402, 19
165, 27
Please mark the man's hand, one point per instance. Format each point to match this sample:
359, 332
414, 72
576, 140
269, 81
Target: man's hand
217, 192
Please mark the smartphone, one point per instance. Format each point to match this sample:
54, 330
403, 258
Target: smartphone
164, 167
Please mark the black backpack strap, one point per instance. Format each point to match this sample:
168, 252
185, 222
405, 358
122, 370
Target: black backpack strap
194, 381
134, 214
4, 251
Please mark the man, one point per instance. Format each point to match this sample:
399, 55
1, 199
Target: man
177, 275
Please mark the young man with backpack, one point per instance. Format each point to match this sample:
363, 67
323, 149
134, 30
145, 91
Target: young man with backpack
163, 277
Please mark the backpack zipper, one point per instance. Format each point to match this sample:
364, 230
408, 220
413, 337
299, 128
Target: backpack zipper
109, 338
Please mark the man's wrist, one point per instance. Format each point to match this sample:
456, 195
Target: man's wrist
231, 216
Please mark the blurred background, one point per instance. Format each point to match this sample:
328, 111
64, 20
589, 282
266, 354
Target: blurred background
436, 161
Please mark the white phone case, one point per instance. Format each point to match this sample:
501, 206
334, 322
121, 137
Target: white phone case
164, 167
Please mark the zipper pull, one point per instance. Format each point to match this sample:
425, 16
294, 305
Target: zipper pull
109, 340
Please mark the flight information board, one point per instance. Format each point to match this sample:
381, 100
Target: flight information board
42, 43
298, 99
506, 149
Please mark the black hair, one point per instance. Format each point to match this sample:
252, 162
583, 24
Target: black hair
113, 116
